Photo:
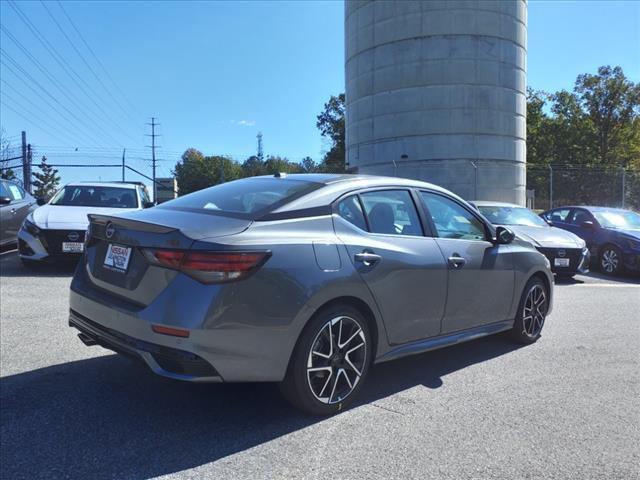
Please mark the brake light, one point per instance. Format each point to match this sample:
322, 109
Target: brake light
174, 332
209, 267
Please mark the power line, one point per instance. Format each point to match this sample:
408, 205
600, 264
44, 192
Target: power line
26, 74
95, 57
60, 60
64, 33
44, 70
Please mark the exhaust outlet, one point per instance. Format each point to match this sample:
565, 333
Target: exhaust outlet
87, 340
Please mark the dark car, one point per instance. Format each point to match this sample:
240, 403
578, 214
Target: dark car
612, 234
15, 205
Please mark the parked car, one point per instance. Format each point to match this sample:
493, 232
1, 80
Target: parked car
566, 252
56, 230
305, 280
612, 234
15, 205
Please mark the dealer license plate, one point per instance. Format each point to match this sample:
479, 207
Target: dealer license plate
561, 262
72, 247
117, 258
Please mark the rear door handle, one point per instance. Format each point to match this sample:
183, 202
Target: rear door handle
367, 258
456, 261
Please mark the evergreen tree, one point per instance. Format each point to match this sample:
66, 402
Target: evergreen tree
47, 181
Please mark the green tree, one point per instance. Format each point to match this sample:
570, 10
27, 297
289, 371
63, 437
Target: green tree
276, 164
331, 123
252, 166
46, 181
195, 171
612, 103
307, 165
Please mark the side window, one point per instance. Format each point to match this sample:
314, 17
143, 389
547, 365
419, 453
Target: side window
451, 219
580, 216
350, 210
559, 215
4, 192
15, 192
391, 212
144, 196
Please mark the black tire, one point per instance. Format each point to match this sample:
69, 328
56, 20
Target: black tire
610, 260
530, 318
304, 389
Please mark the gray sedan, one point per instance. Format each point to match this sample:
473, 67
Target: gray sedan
567, 253
305, 280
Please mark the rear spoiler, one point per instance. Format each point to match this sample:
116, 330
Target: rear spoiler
129, 224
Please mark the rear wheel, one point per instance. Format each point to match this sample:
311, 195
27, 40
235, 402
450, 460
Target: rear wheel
610, 260
532, 312
330, 362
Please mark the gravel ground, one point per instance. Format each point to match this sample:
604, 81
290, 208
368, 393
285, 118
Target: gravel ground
565, 407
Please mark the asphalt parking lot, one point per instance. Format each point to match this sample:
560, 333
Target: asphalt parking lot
565, 407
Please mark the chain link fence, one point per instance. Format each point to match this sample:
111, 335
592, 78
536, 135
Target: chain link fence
551, 186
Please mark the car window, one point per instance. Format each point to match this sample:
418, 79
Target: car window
391, 212
4, 192
451, 219
144, 195
96, 196
350, 210
15, 192
559, 215
580, 216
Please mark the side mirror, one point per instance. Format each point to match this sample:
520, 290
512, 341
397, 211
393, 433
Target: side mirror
504, 236
40, 201
5, 200
148, 205
588, 224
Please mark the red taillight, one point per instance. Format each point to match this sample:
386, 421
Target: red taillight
208, 267
174, 332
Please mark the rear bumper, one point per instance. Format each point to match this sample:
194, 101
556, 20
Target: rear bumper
162, 360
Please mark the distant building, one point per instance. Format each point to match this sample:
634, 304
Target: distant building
167, 189
436, 91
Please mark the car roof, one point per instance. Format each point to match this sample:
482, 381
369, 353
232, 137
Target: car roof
489, 203
591, 208
334, 185
127, 185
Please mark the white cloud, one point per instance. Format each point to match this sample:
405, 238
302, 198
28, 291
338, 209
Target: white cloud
243, 123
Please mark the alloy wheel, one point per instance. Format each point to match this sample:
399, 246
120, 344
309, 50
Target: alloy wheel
336, 360
609, 260
535, 309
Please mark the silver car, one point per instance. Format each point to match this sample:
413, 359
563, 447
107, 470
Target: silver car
306, 280
567, 253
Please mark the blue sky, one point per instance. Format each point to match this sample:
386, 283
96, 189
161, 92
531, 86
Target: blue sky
216, 73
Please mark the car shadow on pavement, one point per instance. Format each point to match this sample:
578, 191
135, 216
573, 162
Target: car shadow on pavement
11, 266
107, 417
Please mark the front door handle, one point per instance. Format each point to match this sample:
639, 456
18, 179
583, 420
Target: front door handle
367, 258
456, 261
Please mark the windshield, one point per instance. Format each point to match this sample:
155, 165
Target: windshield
623, 219
90, 196
512, 216
244, 197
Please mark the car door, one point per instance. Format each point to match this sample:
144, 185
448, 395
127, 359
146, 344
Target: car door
20, 207
480, 272
5, 214
403, 268
576, 224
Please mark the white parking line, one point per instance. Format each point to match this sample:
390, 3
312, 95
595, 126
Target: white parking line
607, 285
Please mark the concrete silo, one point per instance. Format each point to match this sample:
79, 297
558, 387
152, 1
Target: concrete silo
435, 90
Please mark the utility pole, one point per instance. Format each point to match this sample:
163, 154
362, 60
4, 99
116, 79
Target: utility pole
25, 169
123, 166
260, 152
153, 155
27, 179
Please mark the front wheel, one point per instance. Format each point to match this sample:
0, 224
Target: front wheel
330, 362
532, 312
611, 260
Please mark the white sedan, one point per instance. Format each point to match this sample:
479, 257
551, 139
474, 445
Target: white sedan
57, 229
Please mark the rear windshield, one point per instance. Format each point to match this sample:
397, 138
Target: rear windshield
91, 196
247, 197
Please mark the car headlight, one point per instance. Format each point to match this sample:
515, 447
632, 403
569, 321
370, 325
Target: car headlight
30, 227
